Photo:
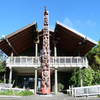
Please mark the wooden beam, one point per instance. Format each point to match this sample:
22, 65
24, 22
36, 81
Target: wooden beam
11, 46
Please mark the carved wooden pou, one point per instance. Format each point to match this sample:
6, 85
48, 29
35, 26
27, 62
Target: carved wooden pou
46, 56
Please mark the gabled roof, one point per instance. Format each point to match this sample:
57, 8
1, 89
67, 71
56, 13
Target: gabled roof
72, 41
69, 40
18, 41
77, 33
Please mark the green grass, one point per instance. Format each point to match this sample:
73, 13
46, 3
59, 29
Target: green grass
16, 93
24, 93
7, 92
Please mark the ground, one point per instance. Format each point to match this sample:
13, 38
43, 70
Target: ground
49, 97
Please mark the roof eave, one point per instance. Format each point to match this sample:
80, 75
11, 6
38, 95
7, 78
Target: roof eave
77, 33
22, 29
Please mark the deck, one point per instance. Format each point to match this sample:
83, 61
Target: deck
56, 62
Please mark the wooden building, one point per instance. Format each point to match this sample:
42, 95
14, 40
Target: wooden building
24, 49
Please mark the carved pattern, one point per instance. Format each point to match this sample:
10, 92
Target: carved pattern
46, 55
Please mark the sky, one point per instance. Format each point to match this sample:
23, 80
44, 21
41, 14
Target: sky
81, 15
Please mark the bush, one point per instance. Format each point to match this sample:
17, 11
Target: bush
98, 95
96, 80
60, 86
85, 74
1, 81
6, 92
2, 67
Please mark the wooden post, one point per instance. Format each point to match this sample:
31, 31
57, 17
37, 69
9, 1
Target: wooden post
36, 54
55, 50
36, 49
46, 84
56, 76
4, 77
35, 85
56, 82
10, 75
81, 80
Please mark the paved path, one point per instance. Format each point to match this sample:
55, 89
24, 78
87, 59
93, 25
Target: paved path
49, 97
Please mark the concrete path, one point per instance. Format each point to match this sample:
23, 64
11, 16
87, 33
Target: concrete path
49, 97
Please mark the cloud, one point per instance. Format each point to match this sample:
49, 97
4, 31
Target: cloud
68, 22
90, 23
86, 26
77, 23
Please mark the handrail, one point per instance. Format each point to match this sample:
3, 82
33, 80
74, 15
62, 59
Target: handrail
85, 90
54, 61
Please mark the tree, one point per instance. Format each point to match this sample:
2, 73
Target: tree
94, 57
85, 74
97, 56
2, 63
2, 67
96, 79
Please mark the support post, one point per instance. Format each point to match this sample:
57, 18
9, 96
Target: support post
81, 80
56, 76
36, 49
36, 54
35, 85
55, 50
10, 75
12, 54
56, 82
4, 77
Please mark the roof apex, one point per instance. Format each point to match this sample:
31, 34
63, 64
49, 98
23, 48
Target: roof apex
21, 29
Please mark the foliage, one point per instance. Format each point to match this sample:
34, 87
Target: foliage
98, 95
88, 76
60, 86
17, 93
6, 92
1, 81
96, 80
2, 67
85, 74
2, 62
94, 57
25, 93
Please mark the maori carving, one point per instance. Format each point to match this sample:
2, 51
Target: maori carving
46, 57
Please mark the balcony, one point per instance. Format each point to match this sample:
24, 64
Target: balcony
56, 62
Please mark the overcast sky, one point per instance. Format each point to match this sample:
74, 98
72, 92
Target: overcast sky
82, 15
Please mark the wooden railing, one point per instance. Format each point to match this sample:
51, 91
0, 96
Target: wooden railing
85, 91
54, 61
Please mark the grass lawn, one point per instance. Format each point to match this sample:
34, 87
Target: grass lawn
16, 93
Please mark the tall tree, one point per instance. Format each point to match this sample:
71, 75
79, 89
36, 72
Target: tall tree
94, 57
85, 74
2, 62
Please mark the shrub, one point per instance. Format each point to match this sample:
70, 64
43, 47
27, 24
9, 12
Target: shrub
6, 92
1, 81
85, 74
98, 95
60, 86
25, 93
2, 66
96, 80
